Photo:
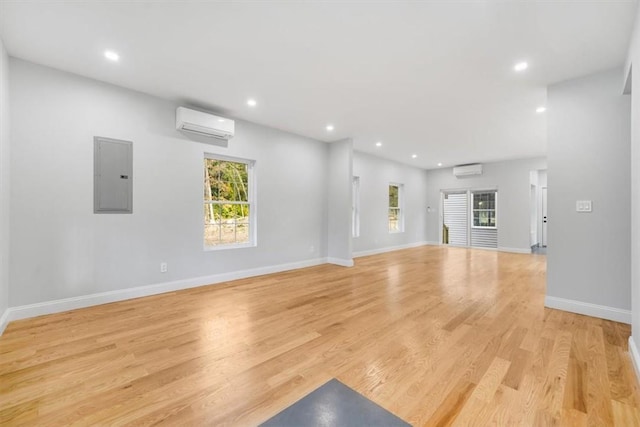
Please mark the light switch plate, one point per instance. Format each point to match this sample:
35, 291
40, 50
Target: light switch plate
583, 206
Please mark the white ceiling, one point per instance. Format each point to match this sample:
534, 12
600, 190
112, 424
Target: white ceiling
431, 78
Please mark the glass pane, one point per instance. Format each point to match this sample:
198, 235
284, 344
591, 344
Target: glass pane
227, 213
393, 196
226, 181
484, 218
209, 213
217, 212
393, 219
228, 233
242, 232
208, 180
242, 213
211, 234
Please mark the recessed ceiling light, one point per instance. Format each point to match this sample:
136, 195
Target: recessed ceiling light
330, 128
541, 109
251, 102
413, 156
221, 120
439, 164
521, 66
378, 144
111, 55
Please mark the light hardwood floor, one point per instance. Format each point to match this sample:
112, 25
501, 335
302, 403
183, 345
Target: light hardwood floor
435, 335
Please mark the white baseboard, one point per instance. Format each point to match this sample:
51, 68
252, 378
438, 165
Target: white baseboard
388, 249
66, 304
340, 261
4, 320
432, 243
499, 249
635, 356
515, 250
588, 309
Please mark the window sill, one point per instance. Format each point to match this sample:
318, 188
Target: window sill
230, 246
480, 227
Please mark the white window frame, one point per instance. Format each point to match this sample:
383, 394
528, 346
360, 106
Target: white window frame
473, 195
355, 207
400, 208
251, 202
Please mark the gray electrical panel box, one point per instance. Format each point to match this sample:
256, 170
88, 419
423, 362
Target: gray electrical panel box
112, 175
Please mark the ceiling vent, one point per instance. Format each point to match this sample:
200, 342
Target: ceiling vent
204, 124
467, 170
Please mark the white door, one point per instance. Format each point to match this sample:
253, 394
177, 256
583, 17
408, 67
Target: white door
455, 218
544, 216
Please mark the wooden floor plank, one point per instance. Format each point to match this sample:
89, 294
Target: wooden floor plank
436, 335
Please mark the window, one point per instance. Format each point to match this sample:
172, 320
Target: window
355, 208
229, 209
484, 209
396, 213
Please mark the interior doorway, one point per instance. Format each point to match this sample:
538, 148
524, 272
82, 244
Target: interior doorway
538, 211
469, 218
455, 218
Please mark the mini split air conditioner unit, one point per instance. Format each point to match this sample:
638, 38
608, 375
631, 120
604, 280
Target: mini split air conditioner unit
204, 124
467, 170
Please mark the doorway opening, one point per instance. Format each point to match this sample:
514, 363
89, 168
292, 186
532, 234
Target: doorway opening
538, 209
469, 218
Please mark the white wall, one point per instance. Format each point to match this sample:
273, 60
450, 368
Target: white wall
588, 258
511, 178
60, 249
633, 68
4, 183
339, 203
375, 176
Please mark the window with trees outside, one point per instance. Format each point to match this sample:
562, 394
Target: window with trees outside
396, 213
229, 209
485, 209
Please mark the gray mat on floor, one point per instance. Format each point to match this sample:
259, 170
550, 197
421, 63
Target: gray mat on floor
332, 405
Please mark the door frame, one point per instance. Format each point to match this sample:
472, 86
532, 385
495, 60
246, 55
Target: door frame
468, 191
544, 205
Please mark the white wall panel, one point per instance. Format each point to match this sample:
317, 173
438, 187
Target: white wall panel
60, 249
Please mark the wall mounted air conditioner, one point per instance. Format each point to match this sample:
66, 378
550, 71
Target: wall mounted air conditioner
467, 170
204, 124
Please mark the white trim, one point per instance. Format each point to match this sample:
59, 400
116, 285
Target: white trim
389, 249
252, 203
500, 249
340, 261
635, 356
513, 250
588, 309
4, 321
495, 208
400, 208
355, 206
229, 246
57, 306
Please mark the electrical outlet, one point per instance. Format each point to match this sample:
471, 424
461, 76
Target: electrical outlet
163, 267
